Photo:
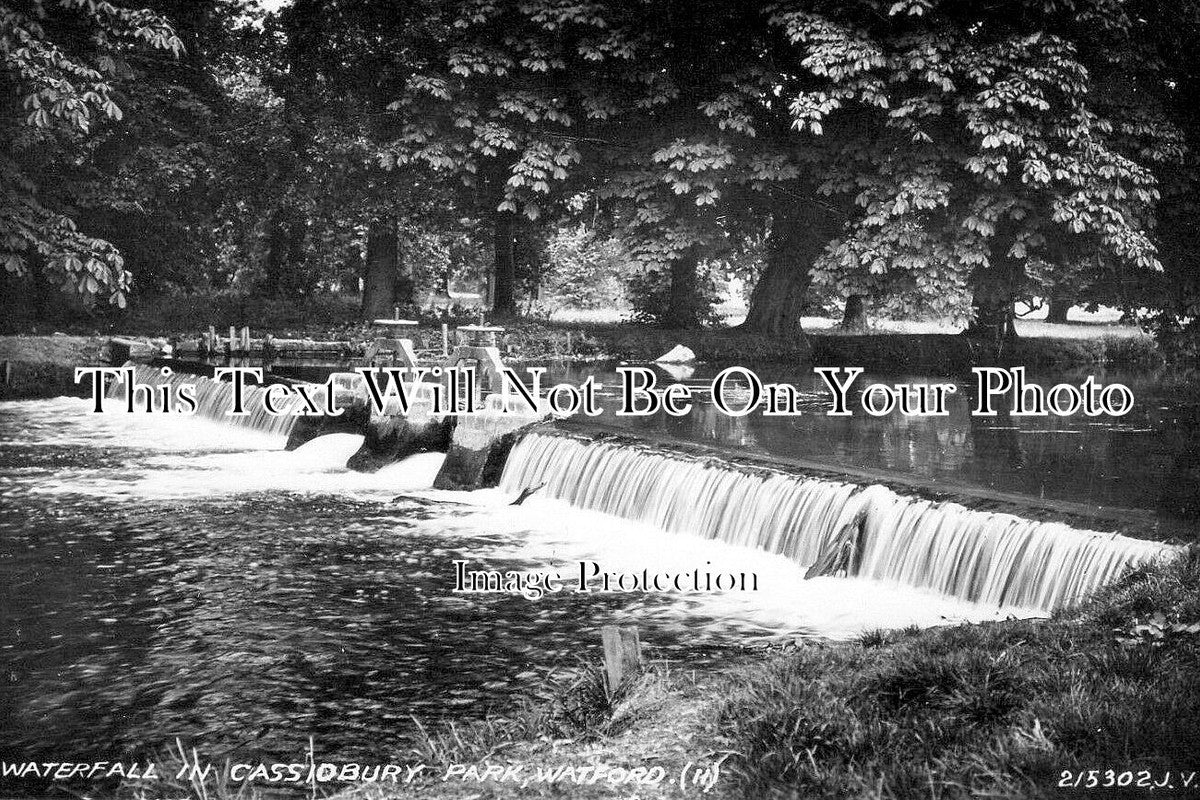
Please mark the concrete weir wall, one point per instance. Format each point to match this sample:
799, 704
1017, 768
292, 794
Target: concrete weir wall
476, 445
394, 437
479, 447
355, 418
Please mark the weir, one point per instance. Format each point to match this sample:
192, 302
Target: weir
476, 444
828, 526
986, 557
213, 399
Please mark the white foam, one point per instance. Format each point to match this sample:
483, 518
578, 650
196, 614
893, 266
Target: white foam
550, 535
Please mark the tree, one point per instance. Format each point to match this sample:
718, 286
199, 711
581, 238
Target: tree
538, 101
64, 66
325, 72
854, 317
947, 150
969, 148
585, 269
382, 267
489, 115
1154, 72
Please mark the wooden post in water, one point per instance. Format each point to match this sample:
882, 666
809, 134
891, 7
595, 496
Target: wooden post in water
445, 339
622, 655
232, 340
210, 341
246, 340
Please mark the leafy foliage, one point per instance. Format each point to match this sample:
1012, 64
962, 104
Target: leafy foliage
650, 294
930, 152
585, 270
967, 144
63, 65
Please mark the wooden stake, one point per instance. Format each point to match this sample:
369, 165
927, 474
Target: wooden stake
622, 655
232, 339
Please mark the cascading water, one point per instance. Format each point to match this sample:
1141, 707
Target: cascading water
214, 399
990, 558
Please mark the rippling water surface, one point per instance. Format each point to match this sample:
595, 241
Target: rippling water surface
164, 577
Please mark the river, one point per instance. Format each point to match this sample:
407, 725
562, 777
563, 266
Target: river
166, 577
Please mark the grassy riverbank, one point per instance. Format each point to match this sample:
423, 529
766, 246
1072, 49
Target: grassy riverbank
999, 710
41, 365
1091, 339
44, 366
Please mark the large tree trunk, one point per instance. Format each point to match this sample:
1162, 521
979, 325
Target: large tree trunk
994, 316
352, 269
504, 275
405, 293
854, 318
993, 300
798, 235
287, 232
683, 297
1059, 306
379, 283
279, 250
777, 302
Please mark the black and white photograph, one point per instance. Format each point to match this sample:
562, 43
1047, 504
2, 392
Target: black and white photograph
601, 399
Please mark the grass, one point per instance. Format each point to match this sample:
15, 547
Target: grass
1083, 325
996, 710
184, 773
573, 705
580, 335
574, 721
992, 710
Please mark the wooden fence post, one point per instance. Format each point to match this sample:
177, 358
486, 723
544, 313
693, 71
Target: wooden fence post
622, 655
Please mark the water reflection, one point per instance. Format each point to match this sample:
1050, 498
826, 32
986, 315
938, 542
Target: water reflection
1148, 459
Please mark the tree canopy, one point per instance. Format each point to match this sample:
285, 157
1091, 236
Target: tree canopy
937, 158
65, 65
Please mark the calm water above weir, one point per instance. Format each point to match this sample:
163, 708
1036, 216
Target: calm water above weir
1147, 459
164, 577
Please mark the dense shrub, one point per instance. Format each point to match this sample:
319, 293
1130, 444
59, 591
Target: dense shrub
584, 270
650, 297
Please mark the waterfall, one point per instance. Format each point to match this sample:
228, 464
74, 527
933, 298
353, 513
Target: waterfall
987, 557
214, 399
